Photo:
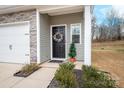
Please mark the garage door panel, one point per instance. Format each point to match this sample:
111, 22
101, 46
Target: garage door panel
14, 44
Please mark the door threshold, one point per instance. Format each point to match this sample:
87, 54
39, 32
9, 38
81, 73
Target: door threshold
56, 61
61, 59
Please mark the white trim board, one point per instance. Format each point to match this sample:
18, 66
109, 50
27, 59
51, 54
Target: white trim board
38, 36
62, 9
15, 23
87, 35
65, 42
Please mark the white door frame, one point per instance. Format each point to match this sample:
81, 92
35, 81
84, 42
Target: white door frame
51, 47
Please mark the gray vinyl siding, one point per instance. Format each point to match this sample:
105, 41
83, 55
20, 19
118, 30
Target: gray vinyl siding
44, 37
69, 19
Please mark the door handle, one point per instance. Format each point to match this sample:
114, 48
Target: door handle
10, 47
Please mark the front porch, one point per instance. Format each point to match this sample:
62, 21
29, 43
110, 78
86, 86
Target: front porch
60, 19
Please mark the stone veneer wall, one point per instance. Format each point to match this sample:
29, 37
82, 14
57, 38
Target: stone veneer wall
29, 15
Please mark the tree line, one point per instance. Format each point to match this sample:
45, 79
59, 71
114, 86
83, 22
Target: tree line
109, 29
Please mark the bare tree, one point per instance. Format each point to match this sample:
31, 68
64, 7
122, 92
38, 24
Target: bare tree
103, 32
110, 28
113, 21
93, 26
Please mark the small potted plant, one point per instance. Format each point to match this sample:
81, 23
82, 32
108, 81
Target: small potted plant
72, 53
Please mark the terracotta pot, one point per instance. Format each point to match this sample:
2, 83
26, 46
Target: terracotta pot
72, 59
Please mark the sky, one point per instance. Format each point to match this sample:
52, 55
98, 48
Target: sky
101, 10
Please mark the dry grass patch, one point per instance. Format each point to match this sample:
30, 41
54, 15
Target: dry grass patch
110, 58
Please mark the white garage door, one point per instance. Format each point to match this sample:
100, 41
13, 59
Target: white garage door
14, 43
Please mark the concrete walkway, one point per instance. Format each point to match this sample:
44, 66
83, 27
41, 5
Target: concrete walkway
39, 79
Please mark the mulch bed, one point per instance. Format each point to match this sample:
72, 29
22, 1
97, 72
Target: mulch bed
21, 74
54, 83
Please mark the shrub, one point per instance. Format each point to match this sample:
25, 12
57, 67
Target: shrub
67, 66
65, 76
30, 67
72, 51
93, 78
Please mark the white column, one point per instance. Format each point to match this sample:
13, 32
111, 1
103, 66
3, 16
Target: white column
87, 35
38, 35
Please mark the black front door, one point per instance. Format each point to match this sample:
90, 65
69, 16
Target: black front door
58, 42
